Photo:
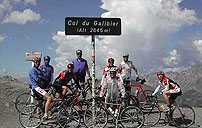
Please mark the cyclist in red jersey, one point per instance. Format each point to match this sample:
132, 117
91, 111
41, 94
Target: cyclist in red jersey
171, 89
63, 82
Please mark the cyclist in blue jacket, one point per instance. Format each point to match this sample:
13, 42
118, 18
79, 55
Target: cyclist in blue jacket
36, 79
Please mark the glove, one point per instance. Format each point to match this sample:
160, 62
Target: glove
137, 79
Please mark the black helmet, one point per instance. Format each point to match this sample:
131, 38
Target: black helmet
78, 51
46, 58
111, 60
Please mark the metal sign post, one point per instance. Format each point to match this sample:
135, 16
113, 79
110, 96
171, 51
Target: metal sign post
93, 77
92, 26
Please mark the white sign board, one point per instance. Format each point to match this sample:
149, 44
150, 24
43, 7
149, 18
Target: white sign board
29, 56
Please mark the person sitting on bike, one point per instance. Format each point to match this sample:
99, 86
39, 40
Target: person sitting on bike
36, 81
47, 71
171, 89
125, 68
112, 85
63, 82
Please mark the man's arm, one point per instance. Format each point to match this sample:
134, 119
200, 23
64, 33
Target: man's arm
52, 75
135, 69
156, 90
87, 70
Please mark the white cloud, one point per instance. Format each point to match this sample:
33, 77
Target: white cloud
198, 46
32, 2
173, 59
146, 27
22, 17
7, 6
2, 38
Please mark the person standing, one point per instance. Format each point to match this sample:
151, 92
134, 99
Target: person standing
80, 69
126, 68
47, 71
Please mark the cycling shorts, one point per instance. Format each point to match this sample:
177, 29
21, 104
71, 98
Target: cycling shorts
40, 91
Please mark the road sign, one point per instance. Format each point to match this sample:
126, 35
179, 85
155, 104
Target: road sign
29, 56
92, 26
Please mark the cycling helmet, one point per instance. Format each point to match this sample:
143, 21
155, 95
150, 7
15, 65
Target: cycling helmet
160, 75
47, 58
70, 66
110, 60
78, 51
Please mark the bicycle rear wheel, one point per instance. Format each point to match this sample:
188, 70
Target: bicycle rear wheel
183, 116
131, 117
101, 118
29, 118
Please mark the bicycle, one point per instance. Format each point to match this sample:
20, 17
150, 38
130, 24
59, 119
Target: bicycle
130, 116
181, 116
64, 113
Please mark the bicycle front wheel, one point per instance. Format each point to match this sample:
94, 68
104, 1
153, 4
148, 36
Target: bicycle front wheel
183, 116
144, 99
132, 117
100, 119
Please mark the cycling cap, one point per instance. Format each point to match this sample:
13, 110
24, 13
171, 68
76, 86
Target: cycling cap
47, 58
70, 66
78, 51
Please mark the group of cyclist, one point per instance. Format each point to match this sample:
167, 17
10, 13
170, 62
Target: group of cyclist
115, 80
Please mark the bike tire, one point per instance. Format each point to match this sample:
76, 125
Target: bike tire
131, 117
29, 118
183, 116
22, 100
101, 117
152, 116
68, 117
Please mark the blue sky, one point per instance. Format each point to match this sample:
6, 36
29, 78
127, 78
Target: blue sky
42, 32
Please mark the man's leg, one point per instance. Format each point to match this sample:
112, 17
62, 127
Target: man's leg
64, 90
48, 103
48, 100
166, 97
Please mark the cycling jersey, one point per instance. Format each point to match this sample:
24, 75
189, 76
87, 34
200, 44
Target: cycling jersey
126, 69
80, 66
106, 74
64, 78
47, 71
35, 79
168, 85
112, 87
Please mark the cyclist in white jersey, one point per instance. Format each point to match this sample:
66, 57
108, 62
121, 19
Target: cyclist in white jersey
126, 68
